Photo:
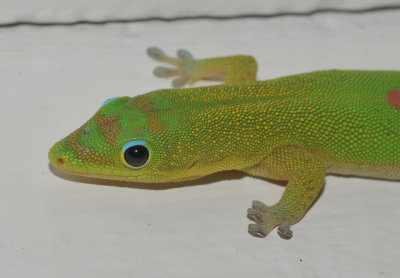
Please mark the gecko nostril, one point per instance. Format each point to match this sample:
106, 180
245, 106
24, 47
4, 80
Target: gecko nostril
60, 160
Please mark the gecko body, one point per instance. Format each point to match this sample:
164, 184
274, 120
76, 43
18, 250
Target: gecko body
296, 128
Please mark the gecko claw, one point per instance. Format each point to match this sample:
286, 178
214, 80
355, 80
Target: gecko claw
284, 231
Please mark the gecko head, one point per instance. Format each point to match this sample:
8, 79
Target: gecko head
127, 139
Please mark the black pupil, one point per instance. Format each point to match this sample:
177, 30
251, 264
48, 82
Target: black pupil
136, 155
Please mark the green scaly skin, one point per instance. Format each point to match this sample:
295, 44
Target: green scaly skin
296, 128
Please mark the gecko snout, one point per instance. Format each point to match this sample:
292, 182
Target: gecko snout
56, 156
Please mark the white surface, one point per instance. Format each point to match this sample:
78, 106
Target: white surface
54, 79
71, 10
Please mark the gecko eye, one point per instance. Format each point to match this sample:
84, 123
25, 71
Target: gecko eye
135, 153
136, 156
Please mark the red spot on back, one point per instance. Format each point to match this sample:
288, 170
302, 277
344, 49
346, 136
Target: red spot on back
393, 99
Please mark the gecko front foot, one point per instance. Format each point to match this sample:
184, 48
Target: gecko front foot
266, 219
184, 64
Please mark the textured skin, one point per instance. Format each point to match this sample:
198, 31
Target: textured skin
296, 128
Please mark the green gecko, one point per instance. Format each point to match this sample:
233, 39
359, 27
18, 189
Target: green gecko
296, 128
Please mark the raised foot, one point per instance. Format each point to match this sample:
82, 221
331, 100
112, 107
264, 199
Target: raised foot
266, 219
184, 66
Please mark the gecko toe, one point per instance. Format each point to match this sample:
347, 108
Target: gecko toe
257, 230
260, 206
165, 72
156, 53
257, 216
184, 54
284, 231
180, 81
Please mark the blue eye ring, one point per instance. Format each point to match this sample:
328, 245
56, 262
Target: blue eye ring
108, 101
135, 154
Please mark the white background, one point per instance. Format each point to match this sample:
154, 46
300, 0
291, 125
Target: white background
53, 79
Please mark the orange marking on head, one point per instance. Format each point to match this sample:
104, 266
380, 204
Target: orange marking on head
81, 152
109, 127
393, 99
154, 123
144, 105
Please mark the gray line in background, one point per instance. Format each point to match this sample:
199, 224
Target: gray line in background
200, 17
